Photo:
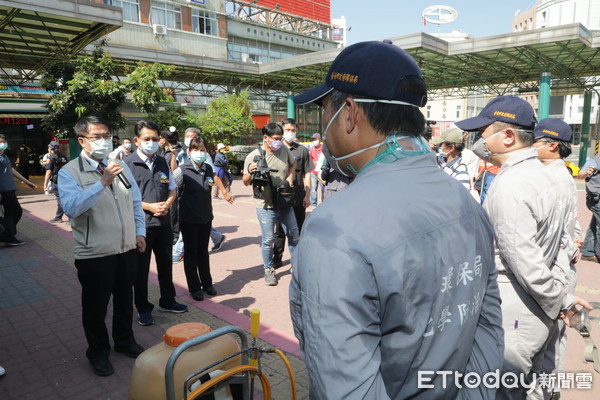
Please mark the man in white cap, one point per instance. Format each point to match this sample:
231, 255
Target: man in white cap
222, 170
389, 288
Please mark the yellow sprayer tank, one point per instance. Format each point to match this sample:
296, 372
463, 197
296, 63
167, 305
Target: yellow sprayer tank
148, 375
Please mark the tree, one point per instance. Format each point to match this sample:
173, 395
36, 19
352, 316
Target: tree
90, 85
227, 118
173, 115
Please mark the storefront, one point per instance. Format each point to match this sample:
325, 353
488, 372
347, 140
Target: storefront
22, 108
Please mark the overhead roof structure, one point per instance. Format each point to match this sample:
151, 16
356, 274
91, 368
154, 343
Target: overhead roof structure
33, 32
499, 63
495, 64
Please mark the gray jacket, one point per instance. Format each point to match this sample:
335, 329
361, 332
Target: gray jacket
394, 277
566, 189
528, 216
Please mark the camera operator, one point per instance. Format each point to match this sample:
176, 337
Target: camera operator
270, 171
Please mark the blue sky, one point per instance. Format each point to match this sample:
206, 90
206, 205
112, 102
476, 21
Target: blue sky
381, 19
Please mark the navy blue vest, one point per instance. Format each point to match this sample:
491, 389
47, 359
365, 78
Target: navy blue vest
195, 203
154, 185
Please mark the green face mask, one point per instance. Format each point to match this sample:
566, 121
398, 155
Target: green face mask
399, 146
3, 146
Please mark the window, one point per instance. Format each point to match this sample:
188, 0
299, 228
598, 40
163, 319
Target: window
458, 108
428, 112
166, 14
131, 8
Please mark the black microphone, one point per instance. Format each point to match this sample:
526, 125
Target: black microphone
122, 177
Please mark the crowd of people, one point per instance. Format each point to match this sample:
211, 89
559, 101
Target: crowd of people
426, 278
482, 281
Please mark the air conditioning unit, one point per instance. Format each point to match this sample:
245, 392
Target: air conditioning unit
247, 60
159, 30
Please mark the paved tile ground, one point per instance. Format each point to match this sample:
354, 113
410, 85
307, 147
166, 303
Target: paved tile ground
41, 340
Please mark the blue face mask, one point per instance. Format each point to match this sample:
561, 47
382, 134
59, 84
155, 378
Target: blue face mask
3, 146
149, 147
198, 156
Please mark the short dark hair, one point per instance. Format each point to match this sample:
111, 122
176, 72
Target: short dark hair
272, 128
145, 124
2, 136
82, 126
564, 148
125, 138
196, 142
289, 121
388, 118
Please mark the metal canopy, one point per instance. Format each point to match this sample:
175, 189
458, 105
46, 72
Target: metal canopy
495, 64
498, 64
32, 33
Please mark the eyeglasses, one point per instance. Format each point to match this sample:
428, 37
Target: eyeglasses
94, 138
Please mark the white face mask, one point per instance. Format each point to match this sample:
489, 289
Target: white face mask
127, 146
100, 148
315, 143
187, 141
149, 147
289, 136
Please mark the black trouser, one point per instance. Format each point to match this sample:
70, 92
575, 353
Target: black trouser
279, 242
100, 277
12, 212
175, 220
59, 209
196, 262
158, 240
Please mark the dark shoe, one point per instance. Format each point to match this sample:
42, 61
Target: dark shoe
590, 258
277, 264
270, 278
133, 350
55, 220
175, 308
198, 296
102, 367
211, 291
218, 246
145, 318
15, 243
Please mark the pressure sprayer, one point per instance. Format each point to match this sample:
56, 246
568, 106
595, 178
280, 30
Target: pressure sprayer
202, 361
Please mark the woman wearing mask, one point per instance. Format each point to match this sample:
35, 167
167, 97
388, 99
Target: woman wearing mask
195, 179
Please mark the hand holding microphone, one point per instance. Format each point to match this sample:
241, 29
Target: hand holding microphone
112, 170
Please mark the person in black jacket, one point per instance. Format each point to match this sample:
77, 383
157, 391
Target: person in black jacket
153, 176
195, 179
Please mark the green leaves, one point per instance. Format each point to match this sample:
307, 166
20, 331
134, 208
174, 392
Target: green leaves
90, 86
227, 118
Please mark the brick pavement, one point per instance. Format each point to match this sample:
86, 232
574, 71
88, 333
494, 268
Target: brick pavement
42, 344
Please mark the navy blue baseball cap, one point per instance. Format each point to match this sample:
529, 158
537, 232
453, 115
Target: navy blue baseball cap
553, 128
369, 69
509, 109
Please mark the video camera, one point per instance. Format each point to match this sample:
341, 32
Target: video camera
428, 129
261, 177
